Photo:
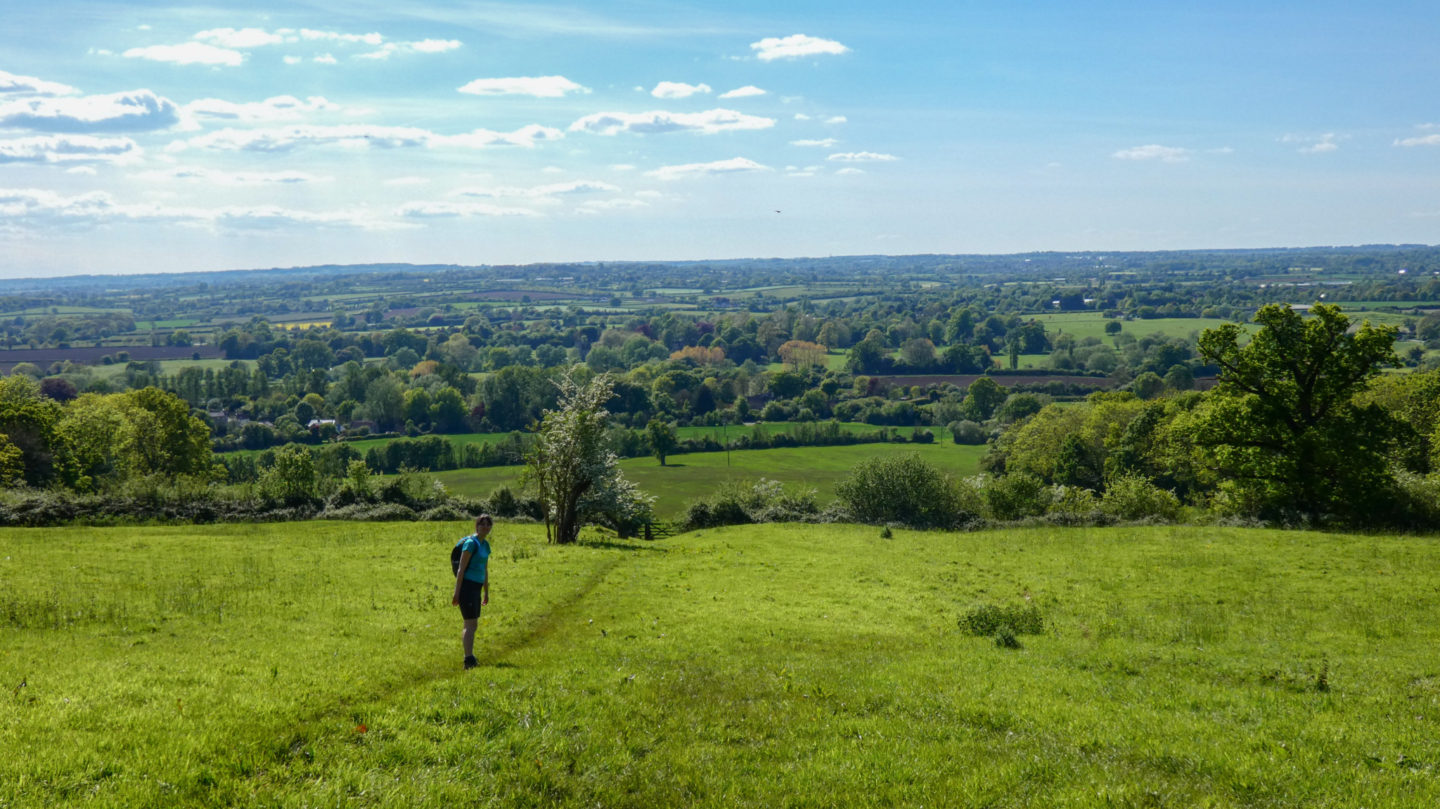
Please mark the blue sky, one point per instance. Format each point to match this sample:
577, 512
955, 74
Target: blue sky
147, 136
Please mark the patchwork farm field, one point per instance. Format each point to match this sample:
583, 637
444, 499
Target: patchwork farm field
688, 477
318, 665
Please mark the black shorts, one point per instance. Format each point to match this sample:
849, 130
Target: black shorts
470, 599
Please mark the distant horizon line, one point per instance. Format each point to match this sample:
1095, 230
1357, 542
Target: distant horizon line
361, 266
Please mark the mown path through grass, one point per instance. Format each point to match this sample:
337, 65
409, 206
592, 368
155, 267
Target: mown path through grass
762, 665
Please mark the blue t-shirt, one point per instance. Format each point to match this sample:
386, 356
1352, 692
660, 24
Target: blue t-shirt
479, 556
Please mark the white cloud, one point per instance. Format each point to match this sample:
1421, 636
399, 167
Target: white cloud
1312, 144
649, 193
798, 171
567, 189
678, 89
836, 119
190, 53
291, 60
655, 122
42, 208
277, 108
1422, 140
384, 52
537, 86
424, 46
233, 177
434, 45
451, 210
238, 39
800, 116
1153, 151
405, 181
795, 46
862, 157
743, 92
618, 204
849, 170
731, 166
281, 139
88, 170
13, 84
326, 59
116, 112
311, 35
68, 148
823, 143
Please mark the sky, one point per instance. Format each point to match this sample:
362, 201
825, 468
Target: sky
161, 137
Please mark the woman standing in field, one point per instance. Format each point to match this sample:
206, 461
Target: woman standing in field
472, 582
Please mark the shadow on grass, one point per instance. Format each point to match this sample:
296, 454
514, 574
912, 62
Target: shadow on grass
633, 545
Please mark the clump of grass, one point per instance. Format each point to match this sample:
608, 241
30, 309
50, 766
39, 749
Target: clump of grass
988, 619
1005, 638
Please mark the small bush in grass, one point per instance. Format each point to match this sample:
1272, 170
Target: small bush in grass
988, 619
1133, 497
967, 432
902, 489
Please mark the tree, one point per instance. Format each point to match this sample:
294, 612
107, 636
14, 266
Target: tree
800, 354
167, 439
663, 438
982, 398
1282, 427
27, 421
576, 476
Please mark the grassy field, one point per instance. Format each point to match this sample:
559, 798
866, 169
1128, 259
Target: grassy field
1092, 324
318, 665
688, 477
170, 367
721, 434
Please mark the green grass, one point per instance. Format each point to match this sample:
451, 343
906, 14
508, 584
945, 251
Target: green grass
718, 433
1092, 324
169, 367
318, 665
688, 477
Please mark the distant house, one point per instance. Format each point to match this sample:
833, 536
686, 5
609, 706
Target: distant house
315, 424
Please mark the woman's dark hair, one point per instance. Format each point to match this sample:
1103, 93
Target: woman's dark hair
484, 518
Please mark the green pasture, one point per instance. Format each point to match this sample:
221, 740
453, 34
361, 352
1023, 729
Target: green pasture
1092, 324
720, 434
688, 477
169, 367
318, 664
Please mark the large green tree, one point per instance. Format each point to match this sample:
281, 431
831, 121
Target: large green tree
1282, 428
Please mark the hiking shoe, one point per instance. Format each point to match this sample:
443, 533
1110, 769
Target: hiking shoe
471, 662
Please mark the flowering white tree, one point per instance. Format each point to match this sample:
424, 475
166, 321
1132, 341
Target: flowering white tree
576, 475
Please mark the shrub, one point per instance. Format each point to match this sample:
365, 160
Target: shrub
1133, 497
902, 489
988, 619
967, 432
379, 512
1073, 501
742, 502
1016, 496
1417, 503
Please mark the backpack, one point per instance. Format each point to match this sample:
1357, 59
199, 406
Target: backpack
455, 558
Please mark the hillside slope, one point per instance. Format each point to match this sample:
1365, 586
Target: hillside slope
802, 665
